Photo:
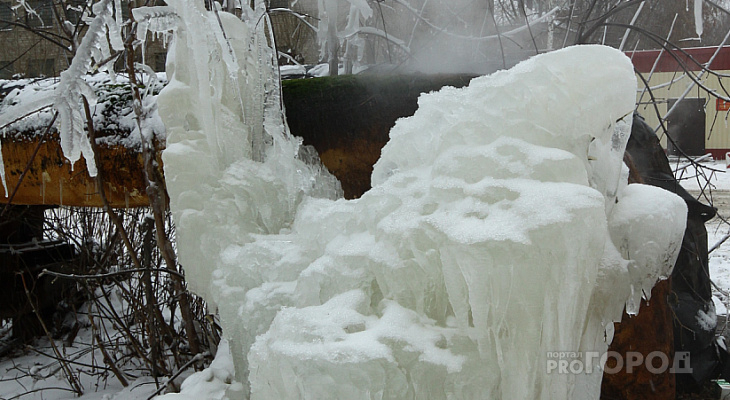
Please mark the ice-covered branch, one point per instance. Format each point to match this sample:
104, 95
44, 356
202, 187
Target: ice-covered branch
444, 30
13, 114
372, 31
102, 31
299, 16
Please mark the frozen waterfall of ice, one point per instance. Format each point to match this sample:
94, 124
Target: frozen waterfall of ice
498, 229
214, 106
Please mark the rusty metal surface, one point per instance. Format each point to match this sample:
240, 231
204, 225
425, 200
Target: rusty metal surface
347, 119
649, 331
51, 180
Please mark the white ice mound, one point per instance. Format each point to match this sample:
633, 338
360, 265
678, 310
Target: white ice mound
641, 228
483, 245
213, 383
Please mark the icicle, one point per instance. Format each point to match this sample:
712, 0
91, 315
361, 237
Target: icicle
114, 26
118, 12
142, 28
698, 18
45, 177
2, 170
158, 19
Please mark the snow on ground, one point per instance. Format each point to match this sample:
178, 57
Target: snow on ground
717, 231
712, 185
719, 265
693, 179
34, 373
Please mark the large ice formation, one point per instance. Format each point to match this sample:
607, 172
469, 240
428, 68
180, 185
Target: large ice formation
499, 229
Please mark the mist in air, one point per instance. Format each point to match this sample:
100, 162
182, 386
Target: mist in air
461, 36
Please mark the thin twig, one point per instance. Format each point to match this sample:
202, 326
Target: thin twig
39, 390
198, 357
72, 380
719, 243
100, 183
157, 197
107, 359
108, 274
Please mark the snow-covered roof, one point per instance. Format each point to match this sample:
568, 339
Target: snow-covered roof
692, 59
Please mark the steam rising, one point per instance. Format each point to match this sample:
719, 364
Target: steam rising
460, 36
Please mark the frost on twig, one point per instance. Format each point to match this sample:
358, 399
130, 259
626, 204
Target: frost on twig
29, 10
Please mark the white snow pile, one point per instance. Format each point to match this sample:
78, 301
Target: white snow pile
498, 229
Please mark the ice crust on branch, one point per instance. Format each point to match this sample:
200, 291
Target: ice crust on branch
159, 20
103, 30
497, 230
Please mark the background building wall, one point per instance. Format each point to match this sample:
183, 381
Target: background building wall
39, 50
669, 81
